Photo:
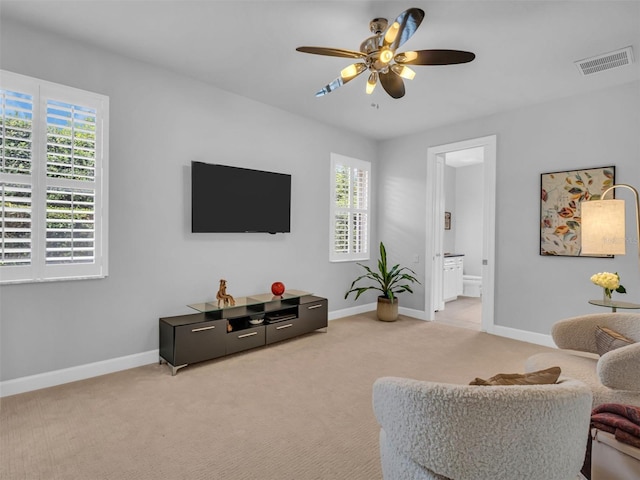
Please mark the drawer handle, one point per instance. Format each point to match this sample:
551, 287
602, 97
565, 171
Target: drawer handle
202, 329
284, 326
248, 335
314, 306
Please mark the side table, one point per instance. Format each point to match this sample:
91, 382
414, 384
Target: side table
612, 459
615, 304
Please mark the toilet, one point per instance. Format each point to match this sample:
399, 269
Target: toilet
472, 285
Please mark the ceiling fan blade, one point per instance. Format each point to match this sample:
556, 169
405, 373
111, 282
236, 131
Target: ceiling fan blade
392, 84
338, 82
403, 28
434, 57
332, 52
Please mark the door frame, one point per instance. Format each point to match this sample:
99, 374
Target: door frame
435, 225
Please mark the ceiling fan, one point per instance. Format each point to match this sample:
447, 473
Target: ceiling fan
378, 55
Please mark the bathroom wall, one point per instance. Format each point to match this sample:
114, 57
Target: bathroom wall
468, 226
449, 239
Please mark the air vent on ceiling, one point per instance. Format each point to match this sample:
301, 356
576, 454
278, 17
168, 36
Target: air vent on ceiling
606, 61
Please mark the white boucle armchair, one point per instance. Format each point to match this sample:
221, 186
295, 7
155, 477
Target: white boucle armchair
613, 377
461, 432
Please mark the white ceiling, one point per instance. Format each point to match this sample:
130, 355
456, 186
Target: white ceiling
524, 51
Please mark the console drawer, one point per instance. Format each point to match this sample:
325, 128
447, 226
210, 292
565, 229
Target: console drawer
283, 330
199, 341
314, 313
245, 339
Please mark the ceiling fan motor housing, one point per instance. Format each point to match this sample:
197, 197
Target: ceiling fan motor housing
378, 25
370, 45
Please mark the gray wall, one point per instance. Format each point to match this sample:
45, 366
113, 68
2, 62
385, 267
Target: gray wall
160, 122
531, 292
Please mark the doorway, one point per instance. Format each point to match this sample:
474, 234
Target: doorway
435, 240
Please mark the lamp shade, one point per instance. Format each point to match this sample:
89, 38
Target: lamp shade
602, 227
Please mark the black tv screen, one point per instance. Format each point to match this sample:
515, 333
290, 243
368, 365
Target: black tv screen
232, 199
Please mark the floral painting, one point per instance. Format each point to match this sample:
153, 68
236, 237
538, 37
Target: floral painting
560, 197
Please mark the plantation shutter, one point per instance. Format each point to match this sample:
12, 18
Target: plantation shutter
349, 209
16, 224
52, 181
16, 177
70, 199
341, 209
360, 211
17, 132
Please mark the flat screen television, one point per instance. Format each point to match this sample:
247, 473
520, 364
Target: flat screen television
232, 199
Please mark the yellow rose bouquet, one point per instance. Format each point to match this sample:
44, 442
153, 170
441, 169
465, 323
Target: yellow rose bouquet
610, 282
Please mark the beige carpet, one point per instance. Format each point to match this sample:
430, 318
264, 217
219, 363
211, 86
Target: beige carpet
464, 312
298, 410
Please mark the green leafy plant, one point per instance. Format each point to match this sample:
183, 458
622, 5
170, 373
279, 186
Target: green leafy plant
388, 281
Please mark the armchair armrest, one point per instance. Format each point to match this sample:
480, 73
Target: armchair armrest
620, 368
579, 333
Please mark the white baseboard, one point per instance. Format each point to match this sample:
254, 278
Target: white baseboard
410, 312
81, 372
370, 307
508, 332
73, 374
522, 335
347, 312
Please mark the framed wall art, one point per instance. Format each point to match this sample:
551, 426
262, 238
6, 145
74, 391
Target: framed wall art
560, 197
447, 220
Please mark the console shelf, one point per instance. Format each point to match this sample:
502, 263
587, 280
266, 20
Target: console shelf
218, 331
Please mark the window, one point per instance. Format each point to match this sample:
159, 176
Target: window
53, 181
350, 185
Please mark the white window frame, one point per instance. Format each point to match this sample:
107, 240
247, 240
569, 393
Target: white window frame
38, 270
350, 255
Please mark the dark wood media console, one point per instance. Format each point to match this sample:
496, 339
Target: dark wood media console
215, 332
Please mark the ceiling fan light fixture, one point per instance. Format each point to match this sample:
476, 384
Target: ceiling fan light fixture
392, 33
352, 70
386, 55
404, 72
372, 82
406, 57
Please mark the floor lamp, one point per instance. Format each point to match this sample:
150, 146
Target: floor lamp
603, 225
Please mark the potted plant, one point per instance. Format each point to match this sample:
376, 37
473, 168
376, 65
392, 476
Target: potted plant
388, 281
